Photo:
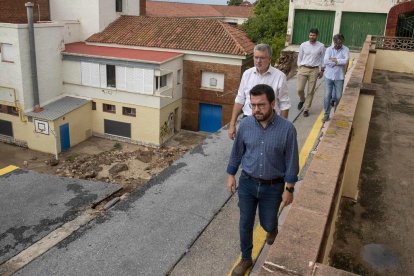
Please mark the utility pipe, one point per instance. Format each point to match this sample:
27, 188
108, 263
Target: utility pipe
32, 46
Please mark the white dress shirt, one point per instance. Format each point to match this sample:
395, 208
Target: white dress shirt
272, 77
336, 71
311, 54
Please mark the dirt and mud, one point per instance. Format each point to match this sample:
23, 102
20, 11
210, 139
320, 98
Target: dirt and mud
99, 159
375, 234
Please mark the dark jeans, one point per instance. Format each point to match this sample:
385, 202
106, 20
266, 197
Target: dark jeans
251, 194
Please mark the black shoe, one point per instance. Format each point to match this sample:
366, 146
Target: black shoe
332, 103
305, 113
270, 237
242, 267
325, 118
300, 105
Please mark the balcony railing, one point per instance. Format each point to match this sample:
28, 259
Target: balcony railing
393, 43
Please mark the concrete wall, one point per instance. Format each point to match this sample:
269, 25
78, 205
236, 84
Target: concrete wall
94, 15
17, 75
80, 125
73, 86
11, 72
393, 60
145, 127
86, 12
38, 141
49, 43
20, 130
170, 121
72, 31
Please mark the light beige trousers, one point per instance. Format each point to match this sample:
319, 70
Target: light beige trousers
309, 75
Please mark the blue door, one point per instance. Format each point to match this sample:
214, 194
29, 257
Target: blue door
210, 117
64, 137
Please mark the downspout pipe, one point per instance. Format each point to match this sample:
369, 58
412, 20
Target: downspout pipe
36, 101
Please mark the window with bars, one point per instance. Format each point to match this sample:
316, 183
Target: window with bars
7, 109
128, 111
109, 108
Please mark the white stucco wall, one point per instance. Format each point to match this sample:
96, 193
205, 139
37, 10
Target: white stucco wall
73, 86
11, 73
89, 13
72, 31
17, 75
131, 7
367, 6
93, 15
177, 88
49, 44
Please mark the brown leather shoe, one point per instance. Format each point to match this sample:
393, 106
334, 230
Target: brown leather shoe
271, 236
242, 267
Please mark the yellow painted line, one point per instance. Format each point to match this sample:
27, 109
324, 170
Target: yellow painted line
310, 141
8, 169
259, 234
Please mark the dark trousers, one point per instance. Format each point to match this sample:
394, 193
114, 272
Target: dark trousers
251, 194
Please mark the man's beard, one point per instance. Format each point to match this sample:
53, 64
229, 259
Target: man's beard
260, 117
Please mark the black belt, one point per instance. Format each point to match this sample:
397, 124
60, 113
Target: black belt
310, 67
279, 180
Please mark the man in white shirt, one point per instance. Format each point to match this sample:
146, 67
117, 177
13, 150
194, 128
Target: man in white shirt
336, 61
310, 68
261, 73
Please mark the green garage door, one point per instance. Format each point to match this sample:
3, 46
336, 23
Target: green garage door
355, 26
307, 19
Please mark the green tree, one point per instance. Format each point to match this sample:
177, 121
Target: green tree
268, 24
234, 2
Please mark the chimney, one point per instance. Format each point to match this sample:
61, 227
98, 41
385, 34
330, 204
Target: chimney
32, 47
142, 7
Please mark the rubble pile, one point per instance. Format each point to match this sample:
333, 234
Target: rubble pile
116, 161
287, 63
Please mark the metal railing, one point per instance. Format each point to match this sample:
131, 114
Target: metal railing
393, 43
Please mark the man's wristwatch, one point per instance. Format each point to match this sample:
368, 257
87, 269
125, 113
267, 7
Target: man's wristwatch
290, 190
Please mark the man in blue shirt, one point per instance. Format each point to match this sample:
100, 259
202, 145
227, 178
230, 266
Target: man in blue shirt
266, 148
336, 62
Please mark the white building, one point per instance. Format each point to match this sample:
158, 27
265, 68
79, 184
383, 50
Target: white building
115, 85
353, 18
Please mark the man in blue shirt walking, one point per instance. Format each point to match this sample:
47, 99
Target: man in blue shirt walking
266, 149
336, 61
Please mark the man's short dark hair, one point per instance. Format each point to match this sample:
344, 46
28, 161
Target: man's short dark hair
339, 37
261, 89
314, 31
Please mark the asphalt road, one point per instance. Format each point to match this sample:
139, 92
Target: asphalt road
33, 204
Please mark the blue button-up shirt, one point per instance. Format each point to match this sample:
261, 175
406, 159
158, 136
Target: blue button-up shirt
336, 71
266, 153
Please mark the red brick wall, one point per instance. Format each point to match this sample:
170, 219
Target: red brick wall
14, 11
392, 19
193, 95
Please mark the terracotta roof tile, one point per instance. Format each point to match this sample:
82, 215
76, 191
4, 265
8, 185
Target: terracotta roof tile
207, 35
174, 9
